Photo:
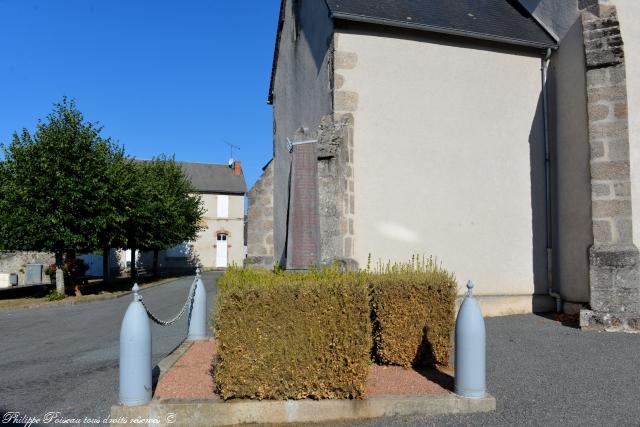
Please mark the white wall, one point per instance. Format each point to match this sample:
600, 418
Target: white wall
205, 245
442, 156
629, 15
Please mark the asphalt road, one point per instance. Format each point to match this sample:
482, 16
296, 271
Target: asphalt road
65, 358
542, 373
545, 374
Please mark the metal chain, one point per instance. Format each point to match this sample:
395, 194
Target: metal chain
192, 292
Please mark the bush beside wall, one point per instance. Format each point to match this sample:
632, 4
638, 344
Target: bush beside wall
292, 336
413, 308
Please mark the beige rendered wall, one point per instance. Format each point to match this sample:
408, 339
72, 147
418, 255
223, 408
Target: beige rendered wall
442, 157
571, 174
629, 16
205, 244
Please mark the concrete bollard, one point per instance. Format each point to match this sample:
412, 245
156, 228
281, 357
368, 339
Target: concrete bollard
198, 317
135, 355
470, 350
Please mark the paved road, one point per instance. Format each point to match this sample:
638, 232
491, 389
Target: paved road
546, 374
542, 373
65, 358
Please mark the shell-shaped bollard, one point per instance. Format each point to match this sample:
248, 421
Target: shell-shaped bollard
135, 355
470, 349
198, 316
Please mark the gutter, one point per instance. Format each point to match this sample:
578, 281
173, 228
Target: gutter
547, 179
441, 30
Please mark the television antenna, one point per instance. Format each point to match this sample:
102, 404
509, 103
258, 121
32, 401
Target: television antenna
231, 147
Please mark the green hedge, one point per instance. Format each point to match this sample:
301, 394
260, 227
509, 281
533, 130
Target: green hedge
292, 336
312, 335
413, 308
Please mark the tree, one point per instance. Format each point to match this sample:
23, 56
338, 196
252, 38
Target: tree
66, 189
168, 209
56, 191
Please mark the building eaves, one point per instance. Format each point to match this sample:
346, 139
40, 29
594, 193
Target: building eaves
502, 21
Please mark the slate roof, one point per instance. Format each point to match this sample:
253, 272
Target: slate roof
505, 21
499, 20
212, 178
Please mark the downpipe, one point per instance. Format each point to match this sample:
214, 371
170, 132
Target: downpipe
547, 177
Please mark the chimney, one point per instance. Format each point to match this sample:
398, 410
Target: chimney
237, 169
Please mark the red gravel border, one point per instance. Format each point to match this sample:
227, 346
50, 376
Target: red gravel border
190, 378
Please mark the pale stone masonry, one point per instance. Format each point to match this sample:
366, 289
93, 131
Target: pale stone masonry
260, 221
15, 262
336, 190
614, 259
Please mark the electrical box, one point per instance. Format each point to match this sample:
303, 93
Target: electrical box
33, 274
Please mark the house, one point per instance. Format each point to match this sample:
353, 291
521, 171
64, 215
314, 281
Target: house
221, 243
501, 136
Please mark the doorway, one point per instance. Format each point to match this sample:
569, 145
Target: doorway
221, 250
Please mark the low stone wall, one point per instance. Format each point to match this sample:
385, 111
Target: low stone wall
260, 221
15, 262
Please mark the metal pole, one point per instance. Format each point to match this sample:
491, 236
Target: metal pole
198, 316
135, 355
470, 351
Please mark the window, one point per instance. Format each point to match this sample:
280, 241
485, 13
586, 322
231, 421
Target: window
223, 206
222, 237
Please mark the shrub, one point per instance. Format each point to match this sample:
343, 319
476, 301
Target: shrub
292, 335
55, 296
413, 308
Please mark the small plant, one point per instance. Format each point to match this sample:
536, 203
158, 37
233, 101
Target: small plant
55, 296
51, 269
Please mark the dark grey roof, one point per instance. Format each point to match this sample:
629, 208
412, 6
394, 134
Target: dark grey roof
211, 178
505, 21
500, 20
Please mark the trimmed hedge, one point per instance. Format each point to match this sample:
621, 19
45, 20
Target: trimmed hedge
292, 336
413, 308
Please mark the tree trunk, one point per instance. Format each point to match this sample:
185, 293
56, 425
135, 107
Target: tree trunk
71, 255
59, 274
155, 263
106, 272
134, 270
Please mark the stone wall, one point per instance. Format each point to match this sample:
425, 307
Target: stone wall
336, 188
15, 262
614, 259
260, 221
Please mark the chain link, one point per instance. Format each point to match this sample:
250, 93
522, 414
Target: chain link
192, 292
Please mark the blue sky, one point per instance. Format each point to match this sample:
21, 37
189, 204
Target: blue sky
162, 76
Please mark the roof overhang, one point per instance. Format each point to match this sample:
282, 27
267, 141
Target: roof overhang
440, 30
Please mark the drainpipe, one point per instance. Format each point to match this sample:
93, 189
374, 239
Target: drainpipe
547, 177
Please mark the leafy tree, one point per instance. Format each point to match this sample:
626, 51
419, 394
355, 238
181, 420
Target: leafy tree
66, 189
168, 209
56, 193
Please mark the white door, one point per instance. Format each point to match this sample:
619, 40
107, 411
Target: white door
221, 250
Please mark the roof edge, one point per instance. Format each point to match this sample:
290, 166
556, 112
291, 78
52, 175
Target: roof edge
441, 30
276, 51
